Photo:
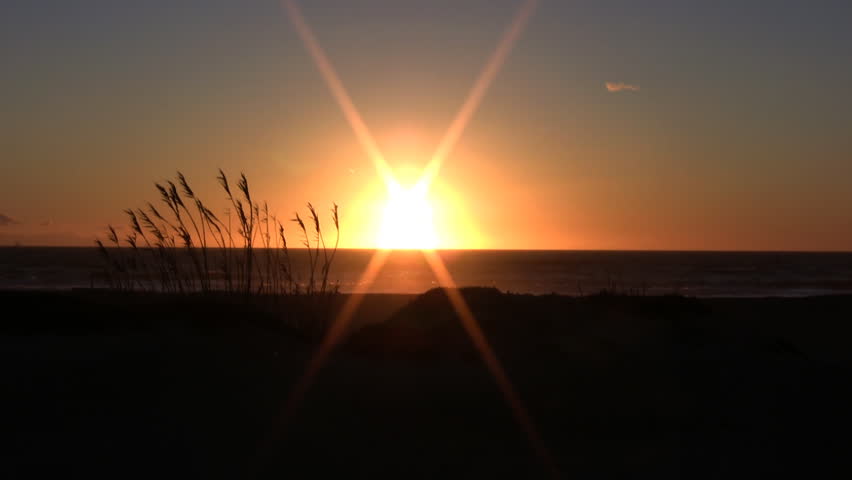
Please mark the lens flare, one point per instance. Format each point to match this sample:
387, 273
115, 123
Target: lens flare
480, 87
407, 219
338, 91
335, 333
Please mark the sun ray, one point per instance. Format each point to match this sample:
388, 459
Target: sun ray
331, 339
335, 85
445, 146
489, 358
335, 332
480, 87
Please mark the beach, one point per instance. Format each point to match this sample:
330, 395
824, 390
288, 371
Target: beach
426, 239
101, 384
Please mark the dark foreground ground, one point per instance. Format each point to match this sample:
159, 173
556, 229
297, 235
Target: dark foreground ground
116, 386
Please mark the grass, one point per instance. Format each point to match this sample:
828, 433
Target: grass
186, 248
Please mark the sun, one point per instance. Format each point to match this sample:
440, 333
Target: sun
407, 219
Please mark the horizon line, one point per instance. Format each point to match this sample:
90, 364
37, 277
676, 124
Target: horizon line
543, 250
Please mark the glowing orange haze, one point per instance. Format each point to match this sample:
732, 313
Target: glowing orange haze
407, 218
538, 147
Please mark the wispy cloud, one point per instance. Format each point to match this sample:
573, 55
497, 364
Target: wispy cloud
621, 87
6, 220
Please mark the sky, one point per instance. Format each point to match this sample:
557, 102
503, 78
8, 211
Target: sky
673, 125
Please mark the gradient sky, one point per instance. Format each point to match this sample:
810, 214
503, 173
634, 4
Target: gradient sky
737, 136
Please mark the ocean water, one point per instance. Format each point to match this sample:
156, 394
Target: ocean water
701, 274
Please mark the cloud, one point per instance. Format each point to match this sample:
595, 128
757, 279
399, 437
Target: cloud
621, 87
6, 220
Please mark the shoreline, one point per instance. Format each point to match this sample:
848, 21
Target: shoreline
804, 293
699, 274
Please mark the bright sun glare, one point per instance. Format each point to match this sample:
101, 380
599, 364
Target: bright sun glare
407, 219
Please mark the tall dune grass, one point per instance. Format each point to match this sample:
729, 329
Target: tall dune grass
186, 248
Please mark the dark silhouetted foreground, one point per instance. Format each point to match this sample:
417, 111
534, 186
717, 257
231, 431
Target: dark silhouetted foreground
114, 386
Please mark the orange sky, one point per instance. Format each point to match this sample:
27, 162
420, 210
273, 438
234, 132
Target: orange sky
604, 129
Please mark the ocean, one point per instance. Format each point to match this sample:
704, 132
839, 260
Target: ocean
700, 274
